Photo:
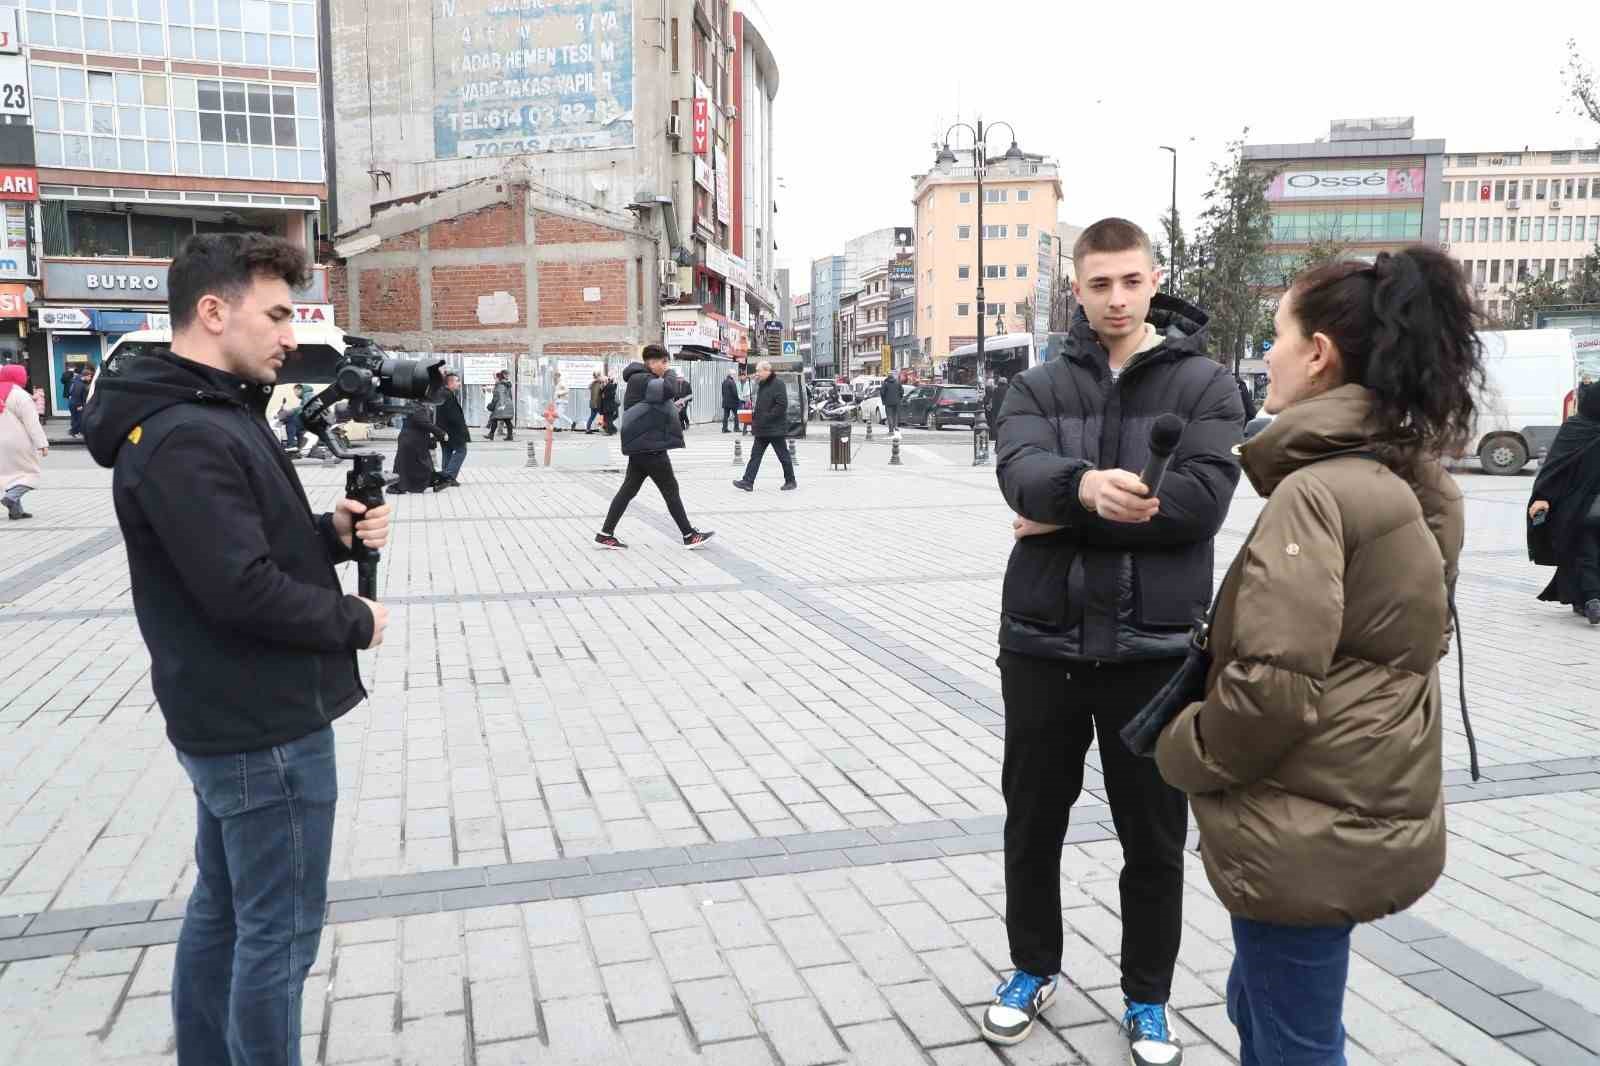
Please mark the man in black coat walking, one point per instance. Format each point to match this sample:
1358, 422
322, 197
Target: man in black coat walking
730, 401
77, 397
453, 452
891, 395
770, 419
1103, 583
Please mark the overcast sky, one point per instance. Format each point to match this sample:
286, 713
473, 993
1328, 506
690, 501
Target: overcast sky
867, 86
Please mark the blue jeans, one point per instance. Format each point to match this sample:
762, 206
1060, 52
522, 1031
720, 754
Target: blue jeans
1286, 993
262, 846
450, 460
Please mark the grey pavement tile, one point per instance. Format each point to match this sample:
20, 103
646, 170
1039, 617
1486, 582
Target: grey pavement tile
920, 926
751, 1052
39, 947
367, 908
737, 924
1474, 966
846, 994
434, 1041
765, 973
432, 986
127, 936
564, 971
1406, 927
831, 840
503, 1010
882, 1043
728, 850
1384, 951
579, 1032
689, 954
461, 899
808, 940
695, 872
433, 880
933, 1018
901, 852
1564, 1016
967, 978
772, 865
637, 990
971, 845
544, 870
1545, 1048
896, 834
976, 1054
619, 938
357, 888
799, 1032
716, 1009
657, 1041
57, 921
594, 884
885, 957
637, 860
1466, 1000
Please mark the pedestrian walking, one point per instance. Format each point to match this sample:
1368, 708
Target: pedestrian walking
1564, 512
685, 397
997, 401
453, 420
651, 429
892, 394
1247, 398
610, 409
730, 401
1313, 759
596, 388
770, 421
558, 404
746, 389
252, 641
22, 440
502, 406
1102, 581
413, 457
78, 397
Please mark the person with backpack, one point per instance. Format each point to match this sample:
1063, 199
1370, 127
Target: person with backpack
650, 429
1313, 761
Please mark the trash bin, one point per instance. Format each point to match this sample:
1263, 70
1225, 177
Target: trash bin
839, 445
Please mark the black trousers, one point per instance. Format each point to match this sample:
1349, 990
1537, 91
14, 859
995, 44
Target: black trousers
1588, 565
1054, 708
496, 423
780, 447
730, 413
657, 467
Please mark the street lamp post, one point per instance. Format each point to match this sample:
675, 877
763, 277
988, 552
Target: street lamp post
980, 154
1172, 233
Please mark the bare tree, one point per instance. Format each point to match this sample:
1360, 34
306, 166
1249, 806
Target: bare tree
1581, 84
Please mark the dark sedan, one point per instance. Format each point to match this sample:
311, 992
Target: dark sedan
937, 406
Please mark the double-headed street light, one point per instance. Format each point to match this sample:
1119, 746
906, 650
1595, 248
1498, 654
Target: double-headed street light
980, 155
1172, 233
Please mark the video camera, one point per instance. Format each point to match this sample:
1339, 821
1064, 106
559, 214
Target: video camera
373, 386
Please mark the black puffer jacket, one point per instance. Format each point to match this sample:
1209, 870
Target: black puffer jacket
770, 413
650, 420
252, 642
1098, 589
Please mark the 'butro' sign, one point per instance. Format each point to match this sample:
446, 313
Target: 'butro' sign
1339, 184
517, 76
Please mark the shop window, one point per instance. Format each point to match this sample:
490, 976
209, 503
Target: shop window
158, 236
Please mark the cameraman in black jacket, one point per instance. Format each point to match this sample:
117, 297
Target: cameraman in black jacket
1100, 592
252, 642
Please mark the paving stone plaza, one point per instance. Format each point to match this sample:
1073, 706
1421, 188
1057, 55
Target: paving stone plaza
736, 807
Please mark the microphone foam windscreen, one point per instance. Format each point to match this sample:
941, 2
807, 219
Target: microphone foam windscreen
1165, 434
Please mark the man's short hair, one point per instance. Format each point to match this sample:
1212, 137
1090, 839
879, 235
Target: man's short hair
452, 374
225, 265
1111, 235
765, 364
655, 351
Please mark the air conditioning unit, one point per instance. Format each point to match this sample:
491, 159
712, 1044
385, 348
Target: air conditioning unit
675, 127
670, 290
1513, 205
1555, 205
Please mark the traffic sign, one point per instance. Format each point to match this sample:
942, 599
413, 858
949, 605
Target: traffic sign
790, 349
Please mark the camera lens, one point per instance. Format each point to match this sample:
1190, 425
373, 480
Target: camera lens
412, 379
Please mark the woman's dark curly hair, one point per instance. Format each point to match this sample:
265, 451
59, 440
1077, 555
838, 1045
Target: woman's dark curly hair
1406, 329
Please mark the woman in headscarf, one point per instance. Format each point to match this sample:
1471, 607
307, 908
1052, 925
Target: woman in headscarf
413, 459
22, 440
1564, 513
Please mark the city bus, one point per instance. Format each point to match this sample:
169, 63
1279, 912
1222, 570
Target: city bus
1007, 355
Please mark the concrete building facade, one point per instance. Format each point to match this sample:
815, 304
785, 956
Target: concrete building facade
548, 185
802, 328
872, 321
1021, 200
1511, 216
1370, 186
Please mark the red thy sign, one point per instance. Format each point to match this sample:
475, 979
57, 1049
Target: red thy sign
19, 183
702, 125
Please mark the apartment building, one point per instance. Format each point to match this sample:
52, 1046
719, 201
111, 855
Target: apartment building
1511, 216
1021, 198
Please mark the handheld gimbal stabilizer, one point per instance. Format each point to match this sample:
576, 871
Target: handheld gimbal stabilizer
374, 386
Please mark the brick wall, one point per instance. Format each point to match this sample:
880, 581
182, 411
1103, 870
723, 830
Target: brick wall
496, 226
391, 301
405, 242
339, 291
561, 288
456, 291
555, 229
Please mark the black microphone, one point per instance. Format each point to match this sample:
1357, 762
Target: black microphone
1164, 438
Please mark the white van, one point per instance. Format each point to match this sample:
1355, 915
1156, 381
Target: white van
1532, 384
318, 348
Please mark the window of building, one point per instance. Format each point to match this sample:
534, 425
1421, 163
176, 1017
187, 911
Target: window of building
1483, 229
1511, 229
1455, 230
1566, 228
994, 270
962, 272
1560, 159
1024, 195
1527, 189
995, 233
1591, 155
963, 310
1583, 188
1522, 270
965, 196
1469, 231
1550, 269
1561, 270
1507, 273
1577, 228
994, 310
1513, 159
1494, 272
963, 233
83, 234
1538, 228
995, 196
1022, 270
1495, 230
1541, 188
1466, 160
1499, 190
1480, 271
1524, 228
1022, 230
158, 237
1020, 310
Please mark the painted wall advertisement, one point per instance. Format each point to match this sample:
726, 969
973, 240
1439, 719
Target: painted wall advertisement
1399, 182
516, 76
481, 369
724, 190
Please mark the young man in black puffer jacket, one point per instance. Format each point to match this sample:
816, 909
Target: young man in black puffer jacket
1100, 592
651, 427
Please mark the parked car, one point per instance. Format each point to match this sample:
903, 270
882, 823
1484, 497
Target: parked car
937, 406
870, 407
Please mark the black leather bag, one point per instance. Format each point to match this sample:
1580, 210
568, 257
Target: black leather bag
1186, 686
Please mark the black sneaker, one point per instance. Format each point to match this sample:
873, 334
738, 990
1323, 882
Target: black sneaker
1017, 1002
1591, 611
19, 513
745, 485
607, 541
697, 539
789, 486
